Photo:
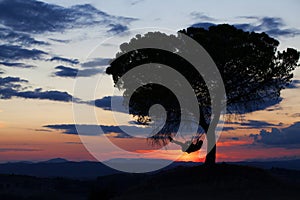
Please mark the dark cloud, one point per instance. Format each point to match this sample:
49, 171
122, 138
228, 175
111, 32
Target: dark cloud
201, 16
38, 17
135, 2
204, 25
73, 142
273, 26
11, 87
53, 95
73, 72
90, 130
294, 84
65, 60
288, 137
228, 128
18, 38
17, 149
295, 115
258, 124
105, 103
235, 138
59, 40
66, 71
13, 52
42, 130
267, 103
274, 108
11, 80
17, 65
21, 21
250, 124
96, 62
117, 28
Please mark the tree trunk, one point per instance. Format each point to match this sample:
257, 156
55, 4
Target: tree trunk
211, 142
210, 158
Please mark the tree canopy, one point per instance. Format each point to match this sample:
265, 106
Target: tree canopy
253, 71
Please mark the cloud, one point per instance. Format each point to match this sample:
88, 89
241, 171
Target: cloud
294, 84
90, 130
117, 28
17, 65
295, 115
59, 40
96, 62
42, 130
105, 103
32, 16
204, 25
13, 52
65, 60
11, 87
66, 71
21, 21
135, 2
250, 124
72, 72
17, 149
73, 142
53, 95
258, 124
228, 128
273, 26
18, 38
201, 16
287, 137
10, 80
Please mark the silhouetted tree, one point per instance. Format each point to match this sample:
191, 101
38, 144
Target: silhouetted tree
253, 71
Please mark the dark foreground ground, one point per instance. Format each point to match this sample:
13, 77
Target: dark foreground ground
224, 181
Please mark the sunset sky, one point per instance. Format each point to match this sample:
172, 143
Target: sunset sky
45, 43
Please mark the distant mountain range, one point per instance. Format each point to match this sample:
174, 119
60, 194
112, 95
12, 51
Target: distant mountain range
59, 167
220, 182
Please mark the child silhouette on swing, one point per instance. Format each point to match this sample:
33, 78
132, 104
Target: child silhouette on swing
188, 146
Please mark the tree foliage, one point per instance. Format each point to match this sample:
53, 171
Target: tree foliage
253, 71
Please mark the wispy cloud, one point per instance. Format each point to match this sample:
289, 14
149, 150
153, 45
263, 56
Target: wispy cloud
59, 40
201, 16
91, 130
13, 52
65, 60
117, 28
273, 26
17, 149
18, 38
250, 124
12, 87
21, 21
38, 17
17, 65
135, 2
73, 72
96, 62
